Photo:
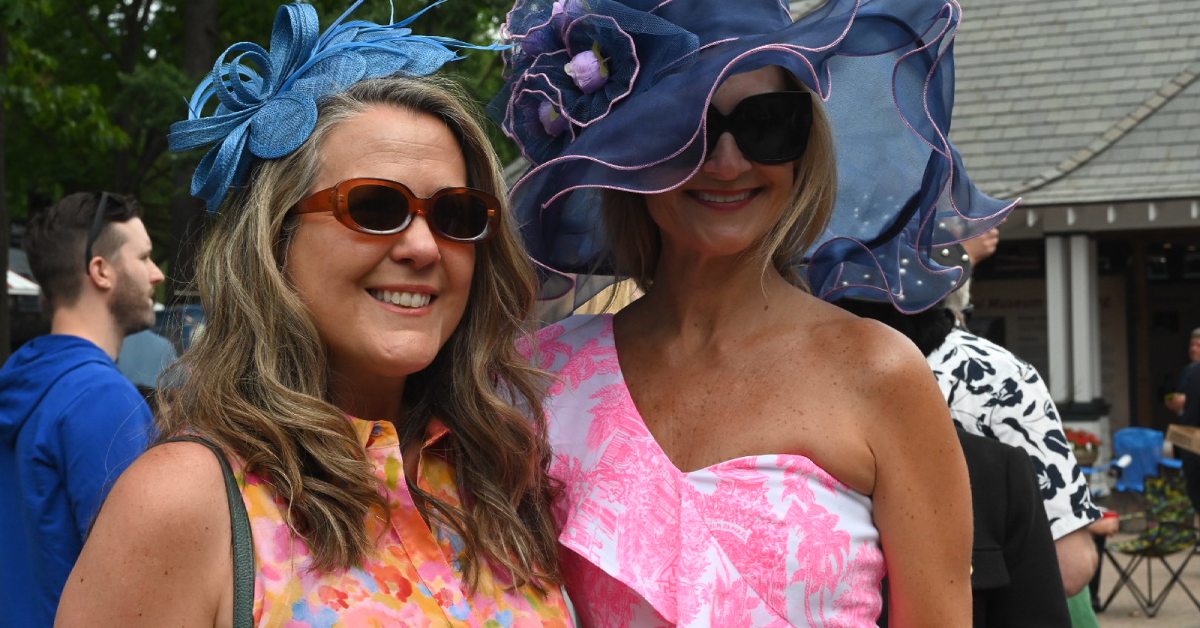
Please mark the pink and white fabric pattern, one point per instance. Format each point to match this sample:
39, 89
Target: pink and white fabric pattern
767, 540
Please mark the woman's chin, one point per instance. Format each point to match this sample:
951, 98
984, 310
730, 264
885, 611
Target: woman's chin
387, 361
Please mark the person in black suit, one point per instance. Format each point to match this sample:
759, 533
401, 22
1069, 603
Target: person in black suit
1190, 387
1014, 578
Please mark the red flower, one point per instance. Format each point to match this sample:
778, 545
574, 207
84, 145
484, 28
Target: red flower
1082, 439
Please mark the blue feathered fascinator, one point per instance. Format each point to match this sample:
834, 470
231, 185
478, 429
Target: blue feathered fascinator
270, 111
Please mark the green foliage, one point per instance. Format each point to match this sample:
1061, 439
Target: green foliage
91, 87
56, 129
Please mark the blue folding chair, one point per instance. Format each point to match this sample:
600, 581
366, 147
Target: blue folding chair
1168, 513
1144, 447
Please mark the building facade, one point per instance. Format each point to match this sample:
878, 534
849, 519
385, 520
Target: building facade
1089, 110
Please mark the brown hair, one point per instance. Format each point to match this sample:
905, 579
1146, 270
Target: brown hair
58, 236
634, 238
256, 380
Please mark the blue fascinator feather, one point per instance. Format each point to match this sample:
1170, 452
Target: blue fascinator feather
266, 101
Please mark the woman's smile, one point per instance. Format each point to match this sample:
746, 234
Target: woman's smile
413, 300
724, 200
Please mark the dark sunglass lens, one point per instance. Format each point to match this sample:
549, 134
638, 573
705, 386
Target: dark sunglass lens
773, 128
460, 215
377, 207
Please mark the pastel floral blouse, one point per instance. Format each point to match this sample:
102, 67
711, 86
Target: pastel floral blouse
413, 579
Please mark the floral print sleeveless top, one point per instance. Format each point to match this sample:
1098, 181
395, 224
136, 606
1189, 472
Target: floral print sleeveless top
414, 577
768, 540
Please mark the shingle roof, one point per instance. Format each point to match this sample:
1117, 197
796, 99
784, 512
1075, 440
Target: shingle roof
1072, 101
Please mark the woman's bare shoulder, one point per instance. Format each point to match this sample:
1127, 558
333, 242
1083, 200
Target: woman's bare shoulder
866, 347
180, 481
883, 366
160, 544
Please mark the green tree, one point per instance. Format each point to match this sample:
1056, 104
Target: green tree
38, 114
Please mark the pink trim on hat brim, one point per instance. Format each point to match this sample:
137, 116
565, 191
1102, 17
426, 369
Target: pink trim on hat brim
660, 5
632, 80
886, 288
517, 6
535, 27
520, 144
700, 129
570, 279
520, 87
952, 13
822, 92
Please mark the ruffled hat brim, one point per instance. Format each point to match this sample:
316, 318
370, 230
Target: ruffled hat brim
884, 72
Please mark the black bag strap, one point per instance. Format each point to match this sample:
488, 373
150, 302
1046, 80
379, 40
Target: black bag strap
242, 541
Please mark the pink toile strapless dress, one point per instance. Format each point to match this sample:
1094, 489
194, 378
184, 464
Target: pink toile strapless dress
768, 540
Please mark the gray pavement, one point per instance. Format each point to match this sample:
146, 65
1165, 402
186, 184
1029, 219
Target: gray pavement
1178, 612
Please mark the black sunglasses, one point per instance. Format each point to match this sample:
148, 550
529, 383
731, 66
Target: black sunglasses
94, 232
769, 128
382, 207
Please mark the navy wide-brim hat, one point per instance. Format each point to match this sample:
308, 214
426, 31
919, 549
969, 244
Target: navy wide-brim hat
613, 95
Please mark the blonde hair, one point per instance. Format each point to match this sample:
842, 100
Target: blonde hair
256, 382
634, 238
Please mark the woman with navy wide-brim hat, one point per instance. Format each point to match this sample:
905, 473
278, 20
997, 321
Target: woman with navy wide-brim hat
733, 449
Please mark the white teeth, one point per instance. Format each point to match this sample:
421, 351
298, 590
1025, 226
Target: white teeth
718, 198
402, 299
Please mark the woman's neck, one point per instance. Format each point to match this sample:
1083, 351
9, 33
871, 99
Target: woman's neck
711, 298
367, 396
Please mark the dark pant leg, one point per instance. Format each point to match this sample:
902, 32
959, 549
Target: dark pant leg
1094, 585
1191, 475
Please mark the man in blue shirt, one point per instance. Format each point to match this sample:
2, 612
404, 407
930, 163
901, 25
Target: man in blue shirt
69, 421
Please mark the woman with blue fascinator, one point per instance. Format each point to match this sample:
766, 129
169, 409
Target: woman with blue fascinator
733, 449
365, 289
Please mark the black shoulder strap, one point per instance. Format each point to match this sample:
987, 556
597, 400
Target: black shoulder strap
242, 543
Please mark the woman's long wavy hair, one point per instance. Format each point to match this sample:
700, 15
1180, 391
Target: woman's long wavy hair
634, 238
256, 382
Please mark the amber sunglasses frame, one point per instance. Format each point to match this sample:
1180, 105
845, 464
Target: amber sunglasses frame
334, 200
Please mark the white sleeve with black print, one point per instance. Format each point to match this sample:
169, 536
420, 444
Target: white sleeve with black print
997, 395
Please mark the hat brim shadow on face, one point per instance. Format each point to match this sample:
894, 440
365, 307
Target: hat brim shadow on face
884, 74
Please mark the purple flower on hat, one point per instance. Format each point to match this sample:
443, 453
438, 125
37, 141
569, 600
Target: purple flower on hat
588, 70
537, 119
551, 119
577, 60
562, 12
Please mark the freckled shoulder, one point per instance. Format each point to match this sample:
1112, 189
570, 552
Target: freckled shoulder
860, 346
160, 548
882, 369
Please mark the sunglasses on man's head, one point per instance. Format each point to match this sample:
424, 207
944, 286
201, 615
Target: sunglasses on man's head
94, 232
769, 128
382, 207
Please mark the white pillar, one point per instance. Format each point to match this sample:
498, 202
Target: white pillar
1083, 301
1058, 318
1094, 305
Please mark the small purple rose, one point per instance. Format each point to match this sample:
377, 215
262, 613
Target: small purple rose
562, 12
552, 121
588, 70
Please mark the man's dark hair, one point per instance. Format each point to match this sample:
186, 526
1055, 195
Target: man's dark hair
927, 330
57, 237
